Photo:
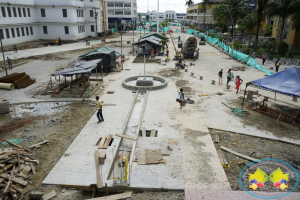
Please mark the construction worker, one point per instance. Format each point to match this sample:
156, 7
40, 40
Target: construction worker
15, 48
9, 63
99, 110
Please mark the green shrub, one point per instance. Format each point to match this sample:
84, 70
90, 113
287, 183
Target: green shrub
283, 48
237, 44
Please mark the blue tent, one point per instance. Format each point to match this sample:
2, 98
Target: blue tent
285, 82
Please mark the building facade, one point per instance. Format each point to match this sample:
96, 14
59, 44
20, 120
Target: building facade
124, 11
23, 21
198, 15
169, 15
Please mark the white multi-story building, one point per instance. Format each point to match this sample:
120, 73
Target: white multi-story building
124, 11
169, 15
28, 20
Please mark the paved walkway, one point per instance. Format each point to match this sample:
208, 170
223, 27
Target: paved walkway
234, 195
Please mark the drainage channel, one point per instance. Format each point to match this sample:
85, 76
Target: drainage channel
127, 146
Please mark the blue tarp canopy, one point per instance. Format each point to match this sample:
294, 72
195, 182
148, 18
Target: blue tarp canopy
285, 82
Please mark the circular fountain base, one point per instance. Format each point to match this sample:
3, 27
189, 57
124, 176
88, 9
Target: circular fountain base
145, 83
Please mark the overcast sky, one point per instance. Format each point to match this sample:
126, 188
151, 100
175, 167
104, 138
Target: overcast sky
177, 5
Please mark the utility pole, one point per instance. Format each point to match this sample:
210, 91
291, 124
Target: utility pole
157, 16
4, 63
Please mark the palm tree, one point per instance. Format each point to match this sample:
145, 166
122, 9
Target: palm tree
204, 4
164, 24
261, 13
282, 9
230, 8
248, 23
140, 17
189, 3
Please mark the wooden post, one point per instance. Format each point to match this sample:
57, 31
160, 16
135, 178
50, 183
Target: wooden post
98, 176
101, 72
275, 97
97, 75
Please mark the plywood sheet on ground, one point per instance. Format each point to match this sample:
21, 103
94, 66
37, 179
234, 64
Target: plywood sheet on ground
149, 156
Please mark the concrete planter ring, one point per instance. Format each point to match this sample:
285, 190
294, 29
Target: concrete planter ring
158, 83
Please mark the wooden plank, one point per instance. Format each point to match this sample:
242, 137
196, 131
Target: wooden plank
159, 124
108, 140
102, 142
238, 154
144, 132
32, 168
44, 142
6, 167
125, 136
102, 157
124, 195
217, 139
25, 171
222, 157
153, 132
14, 144
172, 141
15, 180
49, 195
98, 176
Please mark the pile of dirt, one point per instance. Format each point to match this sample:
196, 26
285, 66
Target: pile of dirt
15, 124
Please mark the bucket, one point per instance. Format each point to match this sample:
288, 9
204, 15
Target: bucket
227, 87
213, 82
185, 70
266, 98
201, 77
192, 73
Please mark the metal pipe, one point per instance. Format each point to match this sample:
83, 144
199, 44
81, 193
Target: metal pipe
121, 45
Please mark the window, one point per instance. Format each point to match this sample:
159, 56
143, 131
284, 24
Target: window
3, 11
127, 5
81, 29
64, 12
66, 30
24, 12
7, 33
91, 13
27, 31
18, 32
1, 34
31, 30
22, 30
127, 13
119, 13
92, 28
110, 5
9, 11
118, 5
28, 11
13, 32
80, 13
15, 12
45, 30
43, 13
20, 12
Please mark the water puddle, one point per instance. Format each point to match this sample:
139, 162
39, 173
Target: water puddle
37, 109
